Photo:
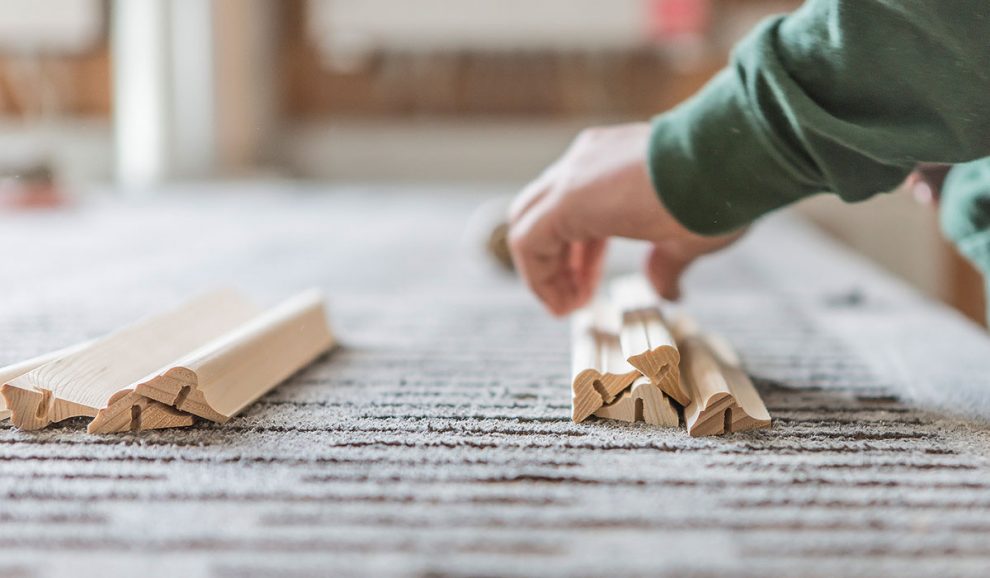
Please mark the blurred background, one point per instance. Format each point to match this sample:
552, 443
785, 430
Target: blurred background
123, 97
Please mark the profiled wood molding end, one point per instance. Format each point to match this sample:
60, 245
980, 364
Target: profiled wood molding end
599, 370
591, 390
178, 387
644, 402
129, 412
724, 398
647, 342
220, 379
33, 408
29, 407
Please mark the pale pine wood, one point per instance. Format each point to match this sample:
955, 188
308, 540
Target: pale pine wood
643, 401
599, 369
129, 411
650, 348
646, 340
223, 377
83, 383
16, 370
724, 399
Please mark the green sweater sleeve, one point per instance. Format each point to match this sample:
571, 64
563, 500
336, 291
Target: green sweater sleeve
842, 96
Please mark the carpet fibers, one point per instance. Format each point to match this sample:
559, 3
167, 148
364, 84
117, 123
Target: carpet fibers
437, 440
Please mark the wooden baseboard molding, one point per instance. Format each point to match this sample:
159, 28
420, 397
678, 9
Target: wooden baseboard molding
724, 398
599, 369
646, 340
219, 380
628, 364
129, 411
84, 382
643, 401
13, 371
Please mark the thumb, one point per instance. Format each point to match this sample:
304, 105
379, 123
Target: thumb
664, 272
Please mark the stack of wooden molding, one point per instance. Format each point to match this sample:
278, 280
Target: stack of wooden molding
629, 364
211, 358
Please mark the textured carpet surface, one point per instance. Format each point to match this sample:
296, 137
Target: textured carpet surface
437, 442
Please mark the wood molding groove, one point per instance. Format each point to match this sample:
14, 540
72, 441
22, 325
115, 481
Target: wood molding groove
13, 371
219, 380
130, 411
724, 398
643, 401
85, 382
599, 369
629, 364
646, 340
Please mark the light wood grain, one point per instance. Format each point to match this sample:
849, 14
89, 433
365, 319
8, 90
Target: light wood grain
599, 369
13, 371
223, 377
129, 411
646, 340
83, 383
724, 399
650, 348
643, 401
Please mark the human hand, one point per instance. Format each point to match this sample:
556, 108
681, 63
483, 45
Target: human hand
599, 188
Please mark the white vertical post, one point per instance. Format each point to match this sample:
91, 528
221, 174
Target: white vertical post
164, 91
140, 76
193, 102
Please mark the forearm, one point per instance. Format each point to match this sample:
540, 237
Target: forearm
843, 96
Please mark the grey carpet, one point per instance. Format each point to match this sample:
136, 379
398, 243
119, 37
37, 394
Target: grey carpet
437, 442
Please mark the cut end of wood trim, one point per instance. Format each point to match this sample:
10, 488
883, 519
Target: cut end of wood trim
591, 390
28, 407
178, 387
643, 401
662, 366
220, 379
130, 412
724, 398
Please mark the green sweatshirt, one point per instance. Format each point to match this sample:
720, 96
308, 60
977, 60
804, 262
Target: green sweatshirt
842, 96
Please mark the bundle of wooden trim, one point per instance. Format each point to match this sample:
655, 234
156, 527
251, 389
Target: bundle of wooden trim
211, 357
629, 364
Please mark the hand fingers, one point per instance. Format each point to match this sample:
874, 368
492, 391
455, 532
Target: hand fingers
664, 272
587, 264
531, 193
542, 256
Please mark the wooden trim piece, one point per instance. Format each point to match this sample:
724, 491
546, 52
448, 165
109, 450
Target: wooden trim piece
724, 399
650, 348
599, 369
646, 340
223, 377
128, 411
83, 383
16, 370
644, 401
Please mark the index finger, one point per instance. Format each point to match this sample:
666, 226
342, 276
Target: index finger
542, 257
